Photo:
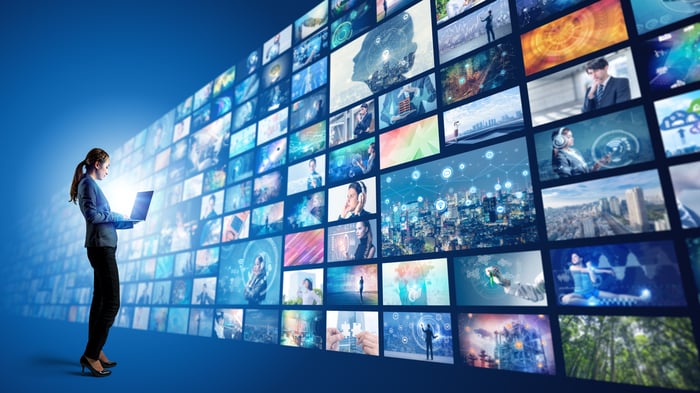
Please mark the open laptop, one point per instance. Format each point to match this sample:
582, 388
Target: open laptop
141, 205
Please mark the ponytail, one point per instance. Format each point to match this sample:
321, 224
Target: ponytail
77, 175
93, 156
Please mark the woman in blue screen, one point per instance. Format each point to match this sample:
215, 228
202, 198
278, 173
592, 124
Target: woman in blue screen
101, 243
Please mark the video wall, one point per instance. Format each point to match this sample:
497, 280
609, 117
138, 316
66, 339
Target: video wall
490, 184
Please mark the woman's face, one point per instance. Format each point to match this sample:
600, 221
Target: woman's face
257, 267
101, 169
351, 199
569, 136
360, 230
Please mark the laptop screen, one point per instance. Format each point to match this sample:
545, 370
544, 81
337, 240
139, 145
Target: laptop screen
141, 205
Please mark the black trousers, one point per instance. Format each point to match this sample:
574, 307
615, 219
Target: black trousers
105, 298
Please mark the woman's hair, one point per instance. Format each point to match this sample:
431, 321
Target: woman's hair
368, 236
93, 156
359, 187
310, 286
558, 142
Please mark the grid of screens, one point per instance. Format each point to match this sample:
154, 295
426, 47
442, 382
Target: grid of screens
490, 184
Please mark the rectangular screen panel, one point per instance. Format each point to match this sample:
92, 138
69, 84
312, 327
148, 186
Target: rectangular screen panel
591, 331
482, 198
407, 36
627, 275
587, 30
515, 342
641, 192
422, 336
678, 118
409, 143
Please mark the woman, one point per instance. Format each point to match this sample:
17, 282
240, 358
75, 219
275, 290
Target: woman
256, 288
306, 293
365, 248
101, 243
355, 200
586, 286
567, 161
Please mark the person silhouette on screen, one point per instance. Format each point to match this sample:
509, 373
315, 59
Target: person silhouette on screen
429, 337
362, 288
204, 297
256, 288
605, 90
101, 224
314, 180
363, 120
490, 35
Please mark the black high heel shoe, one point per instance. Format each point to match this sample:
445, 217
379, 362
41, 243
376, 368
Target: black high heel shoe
96, 373
109, 364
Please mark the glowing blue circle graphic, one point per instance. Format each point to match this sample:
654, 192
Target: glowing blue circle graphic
419, 199
415, 175
500, 209
446, 173
489, 154
440, 205
508, 185
497, 187
472, 190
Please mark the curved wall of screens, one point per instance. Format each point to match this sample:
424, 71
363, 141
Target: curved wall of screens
405, 175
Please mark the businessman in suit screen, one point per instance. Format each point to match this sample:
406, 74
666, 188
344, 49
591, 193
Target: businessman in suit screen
605, 90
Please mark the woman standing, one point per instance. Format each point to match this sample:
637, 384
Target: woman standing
101, 243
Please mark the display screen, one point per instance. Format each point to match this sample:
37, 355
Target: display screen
587, 30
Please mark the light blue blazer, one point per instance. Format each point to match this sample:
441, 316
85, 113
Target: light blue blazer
101, 223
